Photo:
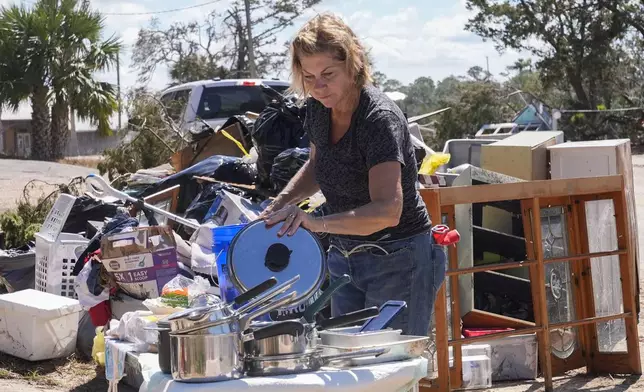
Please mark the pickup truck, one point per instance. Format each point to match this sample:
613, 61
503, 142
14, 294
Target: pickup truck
216, 100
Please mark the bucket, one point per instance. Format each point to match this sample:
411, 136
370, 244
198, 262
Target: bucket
222, 237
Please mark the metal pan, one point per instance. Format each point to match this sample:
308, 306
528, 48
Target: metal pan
299, 363
296, 336
401, 348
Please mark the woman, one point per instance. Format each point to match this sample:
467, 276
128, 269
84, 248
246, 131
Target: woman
363, 161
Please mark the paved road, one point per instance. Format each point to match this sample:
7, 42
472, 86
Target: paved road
15, 174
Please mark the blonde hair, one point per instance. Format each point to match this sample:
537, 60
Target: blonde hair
327, 33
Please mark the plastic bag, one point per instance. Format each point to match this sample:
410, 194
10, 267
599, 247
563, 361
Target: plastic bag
98, 349
175, 292
86, 298
286, 165
432, 162
278, 128
181, 290
157, 306
131, 328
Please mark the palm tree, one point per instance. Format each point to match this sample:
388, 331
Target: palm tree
76, 31
59, 50
24, 50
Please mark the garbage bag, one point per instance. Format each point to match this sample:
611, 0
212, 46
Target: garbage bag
286, 165
220, 167
18, 269
86, 339
87, 209
278, 128
237, 171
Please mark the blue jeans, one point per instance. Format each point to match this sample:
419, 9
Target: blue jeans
409, 270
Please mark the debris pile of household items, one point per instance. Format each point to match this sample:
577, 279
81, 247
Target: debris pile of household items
172, 280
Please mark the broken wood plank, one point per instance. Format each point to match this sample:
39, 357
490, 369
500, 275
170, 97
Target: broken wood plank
528, 190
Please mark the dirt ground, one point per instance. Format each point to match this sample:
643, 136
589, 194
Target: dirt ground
68, 374
73, 375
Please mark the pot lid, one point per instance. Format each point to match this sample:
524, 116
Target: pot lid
256, 253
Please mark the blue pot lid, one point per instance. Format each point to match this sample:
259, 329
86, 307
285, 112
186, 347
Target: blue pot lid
256, 253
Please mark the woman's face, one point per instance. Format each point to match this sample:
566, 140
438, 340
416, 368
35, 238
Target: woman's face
326, 78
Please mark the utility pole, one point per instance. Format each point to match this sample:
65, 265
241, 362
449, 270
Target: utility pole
249, 33
118, 85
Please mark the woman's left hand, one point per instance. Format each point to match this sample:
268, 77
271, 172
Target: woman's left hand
293, 218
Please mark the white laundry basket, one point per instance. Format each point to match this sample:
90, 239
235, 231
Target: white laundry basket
55, 262
56, 252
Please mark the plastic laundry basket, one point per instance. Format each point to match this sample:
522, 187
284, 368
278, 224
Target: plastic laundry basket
57, 252
55, 261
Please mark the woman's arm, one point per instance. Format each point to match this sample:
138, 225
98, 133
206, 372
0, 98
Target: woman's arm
383, 146
301, 186
383, 211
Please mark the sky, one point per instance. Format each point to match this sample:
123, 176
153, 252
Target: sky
407, 38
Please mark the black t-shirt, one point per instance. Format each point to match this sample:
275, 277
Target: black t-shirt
378, 133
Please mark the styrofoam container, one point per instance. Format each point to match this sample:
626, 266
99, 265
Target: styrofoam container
36, 326
471, 350
514, 358
477, 372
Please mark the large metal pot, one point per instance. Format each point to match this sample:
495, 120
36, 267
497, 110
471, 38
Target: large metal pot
198, 357
205, 358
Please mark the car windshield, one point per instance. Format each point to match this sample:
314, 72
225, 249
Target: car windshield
228, 101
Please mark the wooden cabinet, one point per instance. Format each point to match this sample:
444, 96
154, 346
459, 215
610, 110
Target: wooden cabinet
593, 159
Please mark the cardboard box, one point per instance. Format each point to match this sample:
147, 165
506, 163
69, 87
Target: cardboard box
216, 144
142, 261
523, 155
231, 209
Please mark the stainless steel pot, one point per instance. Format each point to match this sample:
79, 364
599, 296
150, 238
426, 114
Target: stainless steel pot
289, 337
295, 336
205, 358
299, 363
198, 357
198, 319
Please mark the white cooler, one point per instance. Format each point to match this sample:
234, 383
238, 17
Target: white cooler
37, 326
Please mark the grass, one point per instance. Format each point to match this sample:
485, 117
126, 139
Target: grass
88, 161
69, 373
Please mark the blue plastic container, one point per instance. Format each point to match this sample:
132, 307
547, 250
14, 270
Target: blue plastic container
222, 237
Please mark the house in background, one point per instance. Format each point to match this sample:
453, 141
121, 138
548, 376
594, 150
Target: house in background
15, 135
